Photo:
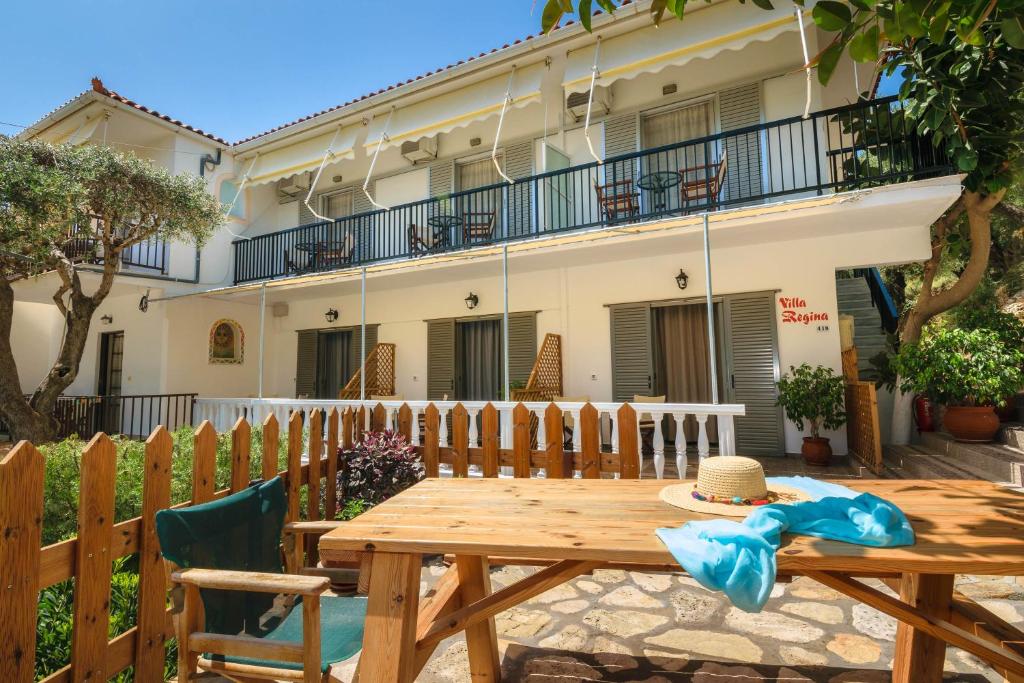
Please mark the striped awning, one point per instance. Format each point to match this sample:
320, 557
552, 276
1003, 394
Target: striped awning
303, 155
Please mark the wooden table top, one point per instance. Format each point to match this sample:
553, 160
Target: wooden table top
961, 526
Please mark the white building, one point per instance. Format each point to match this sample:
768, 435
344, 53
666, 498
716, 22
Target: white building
692, 118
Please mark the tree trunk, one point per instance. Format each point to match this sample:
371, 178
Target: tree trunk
931, 303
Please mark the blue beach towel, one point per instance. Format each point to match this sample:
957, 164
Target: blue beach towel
738, 558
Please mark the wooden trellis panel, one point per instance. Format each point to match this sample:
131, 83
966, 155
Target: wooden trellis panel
545, 382
862, 431
380, 374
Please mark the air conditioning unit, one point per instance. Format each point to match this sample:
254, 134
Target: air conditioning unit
294, 186
423, 149
576, 103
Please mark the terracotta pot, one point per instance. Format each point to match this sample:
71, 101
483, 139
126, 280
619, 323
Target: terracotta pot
971, 424
816, 450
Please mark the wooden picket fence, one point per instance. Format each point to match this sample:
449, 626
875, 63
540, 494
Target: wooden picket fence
26, 568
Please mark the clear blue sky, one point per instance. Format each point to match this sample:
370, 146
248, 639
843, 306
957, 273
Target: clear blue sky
232, 67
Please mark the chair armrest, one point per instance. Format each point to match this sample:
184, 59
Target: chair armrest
315, 527
260, 582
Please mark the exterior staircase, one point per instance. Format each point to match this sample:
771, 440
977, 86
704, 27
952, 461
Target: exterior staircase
938, 456
869, 336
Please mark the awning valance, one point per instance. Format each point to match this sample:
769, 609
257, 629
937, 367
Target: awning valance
304, 155
675, 42
458, 108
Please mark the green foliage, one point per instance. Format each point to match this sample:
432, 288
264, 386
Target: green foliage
46, 189
813, 394
982, 312
380, 466
961, 367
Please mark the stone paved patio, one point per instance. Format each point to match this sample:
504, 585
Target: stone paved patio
627, 626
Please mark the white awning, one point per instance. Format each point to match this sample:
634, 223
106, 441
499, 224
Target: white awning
304, 155
676, 42
458, 108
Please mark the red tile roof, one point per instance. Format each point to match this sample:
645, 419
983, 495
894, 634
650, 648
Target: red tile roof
97, 86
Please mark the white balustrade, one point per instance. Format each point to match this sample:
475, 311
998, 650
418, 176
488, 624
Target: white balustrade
223, 412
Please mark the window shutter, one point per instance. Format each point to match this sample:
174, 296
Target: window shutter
741, 107
441, 173
752, 356
305, 215
522, 346
620, 137
306, 363
632, 363
519, 164
440, 359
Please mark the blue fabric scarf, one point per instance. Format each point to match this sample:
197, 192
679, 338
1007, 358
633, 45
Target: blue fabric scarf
738, 558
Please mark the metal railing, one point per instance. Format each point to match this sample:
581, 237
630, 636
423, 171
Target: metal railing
861, 145
83, 245
133, 415
880, 298
223, 412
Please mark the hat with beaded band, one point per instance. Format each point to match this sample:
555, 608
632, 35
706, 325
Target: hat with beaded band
729, 485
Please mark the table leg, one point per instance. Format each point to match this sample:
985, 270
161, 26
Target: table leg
481, 639
389, 636
919, 657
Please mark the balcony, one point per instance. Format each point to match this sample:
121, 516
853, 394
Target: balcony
84, 245
858, 146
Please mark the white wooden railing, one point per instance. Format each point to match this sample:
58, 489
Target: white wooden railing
223, 412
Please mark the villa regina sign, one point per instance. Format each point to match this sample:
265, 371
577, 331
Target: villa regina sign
793, 311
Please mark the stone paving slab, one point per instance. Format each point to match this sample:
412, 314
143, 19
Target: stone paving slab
629, 626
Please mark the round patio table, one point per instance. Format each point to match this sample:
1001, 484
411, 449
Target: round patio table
444, 227
658, 183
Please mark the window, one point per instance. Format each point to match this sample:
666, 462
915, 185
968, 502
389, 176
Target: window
228, 195
677, 125
480, 173
337, 204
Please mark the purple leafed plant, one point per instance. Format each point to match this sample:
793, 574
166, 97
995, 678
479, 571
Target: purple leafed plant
376, 469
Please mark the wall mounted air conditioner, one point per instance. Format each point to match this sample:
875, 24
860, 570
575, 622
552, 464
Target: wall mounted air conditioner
424, 149
576, 103
294, 186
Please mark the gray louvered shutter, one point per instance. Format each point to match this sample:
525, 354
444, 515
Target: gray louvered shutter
620, 137
441, 174
522, 346
305, 215
741, 107
632, 356
354, 359
519, 164
306, 363
364, 227
751, 372
440, 359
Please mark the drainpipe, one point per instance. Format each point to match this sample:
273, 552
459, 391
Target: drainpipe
263, 313
362, 337
208, 159
504, 277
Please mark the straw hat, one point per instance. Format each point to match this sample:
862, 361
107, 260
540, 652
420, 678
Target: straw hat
729, 485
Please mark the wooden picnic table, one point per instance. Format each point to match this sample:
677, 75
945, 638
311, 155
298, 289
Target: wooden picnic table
571, 527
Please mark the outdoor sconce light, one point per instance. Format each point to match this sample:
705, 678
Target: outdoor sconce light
681, 279
331, 315
107, 319
472, 300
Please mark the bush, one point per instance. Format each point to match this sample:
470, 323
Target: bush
382, 465
962, 367
815, 395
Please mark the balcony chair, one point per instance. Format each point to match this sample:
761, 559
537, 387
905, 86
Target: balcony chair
294, 267
703, 184
336, 254
234, 612
424, 240
646, 422
618, 200
478, 226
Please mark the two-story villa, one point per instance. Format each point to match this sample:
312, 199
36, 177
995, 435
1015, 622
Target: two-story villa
562, 179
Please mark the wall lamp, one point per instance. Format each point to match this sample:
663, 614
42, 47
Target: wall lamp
681, 279
331, 315
107, 319
472, 300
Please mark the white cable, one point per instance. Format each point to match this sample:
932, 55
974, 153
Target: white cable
323, 162
856, 81
590, 102
238, 193
369, 174
807, 59
501, 120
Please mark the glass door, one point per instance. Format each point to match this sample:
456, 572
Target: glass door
558, 195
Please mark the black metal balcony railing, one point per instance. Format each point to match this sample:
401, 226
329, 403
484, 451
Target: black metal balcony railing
132, 416
861, 145
83, 245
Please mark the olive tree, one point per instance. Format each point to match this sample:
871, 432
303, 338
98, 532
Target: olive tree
65, 210
960, 64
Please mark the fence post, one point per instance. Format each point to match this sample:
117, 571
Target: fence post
460, 441
271, 435
378, 418
489, 439
347, 418
405, 425
431, 421
316, 430
241, 446
22, 473
294, 557
590, 443
629, 451
521, 439
331, 505
93, 560
556, 466
153, 624
204, 463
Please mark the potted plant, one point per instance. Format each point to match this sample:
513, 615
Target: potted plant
817, 396
969, 371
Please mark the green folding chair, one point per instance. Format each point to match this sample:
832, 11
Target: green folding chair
238, 614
